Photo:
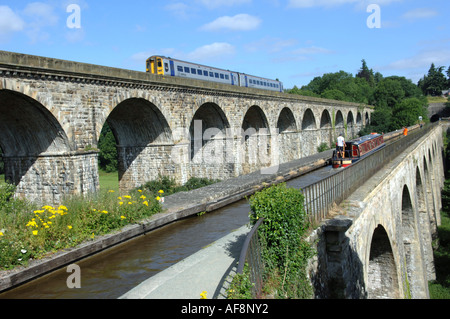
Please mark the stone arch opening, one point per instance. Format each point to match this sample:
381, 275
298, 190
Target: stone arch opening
309, 121
143, 139
286, 121
412, 281
382, 271
350, 125
33, 144
309, 138
339, 124
256, 140
208, 125
287, 135
326, 128
359, 120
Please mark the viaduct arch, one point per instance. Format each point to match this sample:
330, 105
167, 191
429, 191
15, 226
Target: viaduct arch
60, 108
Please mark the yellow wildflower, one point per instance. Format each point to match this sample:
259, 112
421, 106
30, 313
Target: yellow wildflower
142, 197
62, 207
70, 227
1, 234
105, 212
203, 295
35, 232
122, 217
127, 196
120, 203
130, 203
145, 203
161, 191
119, 198
111, 191
140, 190
158, 198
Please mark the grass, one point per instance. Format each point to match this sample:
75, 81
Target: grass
109, 181
29, 231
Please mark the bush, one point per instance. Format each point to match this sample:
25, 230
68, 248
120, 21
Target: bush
169, 186
282, 237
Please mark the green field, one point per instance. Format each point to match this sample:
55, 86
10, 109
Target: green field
109, 181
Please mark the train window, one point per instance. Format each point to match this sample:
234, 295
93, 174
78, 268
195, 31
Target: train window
186, 69
205, 73
227, 77
193, 71
222, 76
211, 74
166, 67
199, 72
216, 75
180, 68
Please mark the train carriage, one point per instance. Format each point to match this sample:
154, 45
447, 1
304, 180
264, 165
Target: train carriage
172, 67
357, 149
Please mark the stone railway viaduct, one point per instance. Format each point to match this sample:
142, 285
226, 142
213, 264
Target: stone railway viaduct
52, 112
378, 242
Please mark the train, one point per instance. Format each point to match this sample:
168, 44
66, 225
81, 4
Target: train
167, 66
357, 149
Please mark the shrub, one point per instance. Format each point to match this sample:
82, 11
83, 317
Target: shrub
282, 237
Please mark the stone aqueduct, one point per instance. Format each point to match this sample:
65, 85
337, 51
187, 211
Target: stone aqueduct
52, 112
379, 244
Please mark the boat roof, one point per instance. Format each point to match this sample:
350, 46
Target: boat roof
365, 138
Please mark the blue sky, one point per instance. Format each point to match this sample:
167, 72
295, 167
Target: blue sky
292, 40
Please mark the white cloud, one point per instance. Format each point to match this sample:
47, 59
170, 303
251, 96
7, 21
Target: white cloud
421, 60
39, 16
212, 4
422, 13
240, 22
10, 22
211, 52
179, 9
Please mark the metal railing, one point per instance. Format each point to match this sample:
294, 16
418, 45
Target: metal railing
251, 255
320, 197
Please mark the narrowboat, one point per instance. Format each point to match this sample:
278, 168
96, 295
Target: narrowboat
357, 149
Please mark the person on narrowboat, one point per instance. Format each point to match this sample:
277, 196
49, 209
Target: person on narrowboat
341, 146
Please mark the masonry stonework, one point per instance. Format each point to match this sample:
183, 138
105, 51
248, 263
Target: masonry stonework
52, 113
379, 244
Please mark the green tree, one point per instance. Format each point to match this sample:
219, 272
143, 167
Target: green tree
365, 73
434, 82
388, 93
108, 151
407, 113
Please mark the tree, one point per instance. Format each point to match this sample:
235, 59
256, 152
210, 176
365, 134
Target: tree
434, 82
407, 113
388, 93
365, 73
108, 152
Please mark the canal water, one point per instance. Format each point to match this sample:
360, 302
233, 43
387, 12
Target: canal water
115, 271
